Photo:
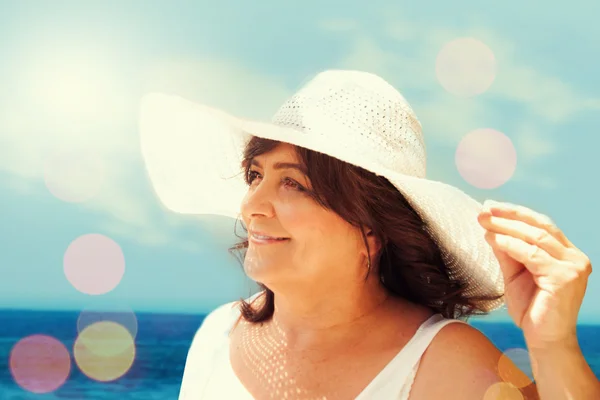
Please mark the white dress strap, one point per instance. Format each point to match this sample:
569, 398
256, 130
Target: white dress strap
396, 379
421, 344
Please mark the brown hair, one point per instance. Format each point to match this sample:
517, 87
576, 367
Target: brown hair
410, 263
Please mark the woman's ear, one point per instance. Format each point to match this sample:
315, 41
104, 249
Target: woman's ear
374, 242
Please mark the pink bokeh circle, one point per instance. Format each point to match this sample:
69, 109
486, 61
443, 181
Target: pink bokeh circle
465, 67
40, 363
486, 158
94, 264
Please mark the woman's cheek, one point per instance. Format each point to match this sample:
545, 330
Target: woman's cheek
294, 213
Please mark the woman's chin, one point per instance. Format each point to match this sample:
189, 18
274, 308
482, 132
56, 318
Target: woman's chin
260, 272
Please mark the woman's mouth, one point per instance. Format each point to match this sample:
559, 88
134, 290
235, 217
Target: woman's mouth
261, 239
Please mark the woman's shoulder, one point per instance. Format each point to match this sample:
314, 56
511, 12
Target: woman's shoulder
463, 361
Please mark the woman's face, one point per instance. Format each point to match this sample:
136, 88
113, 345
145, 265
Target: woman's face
320, 246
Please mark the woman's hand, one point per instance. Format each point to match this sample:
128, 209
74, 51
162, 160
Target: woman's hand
545, 275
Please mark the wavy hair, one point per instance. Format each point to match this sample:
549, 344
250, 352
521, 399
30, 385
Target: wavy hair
410, 263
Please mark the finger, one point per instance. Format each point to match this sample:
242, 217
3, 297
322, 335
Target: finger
511, 268
529, 216
535, 259
521, 230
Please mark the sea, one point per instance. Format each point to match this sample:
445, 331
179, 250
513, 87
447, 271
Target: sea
161, 345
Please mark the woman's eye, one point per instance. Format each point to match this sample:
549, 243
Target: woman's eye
291, 182
252, 175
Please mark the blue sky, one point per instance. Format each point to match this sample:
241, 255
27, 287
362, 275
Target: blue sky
73, 74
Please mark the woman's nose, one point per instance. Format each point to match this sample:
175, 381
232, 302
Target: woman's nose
259, 199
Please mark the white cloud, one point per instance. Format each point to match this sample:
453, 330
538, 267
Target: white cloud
445, 118
547, 97
531, 145
526, 177
592, 104
544, 95
410, 65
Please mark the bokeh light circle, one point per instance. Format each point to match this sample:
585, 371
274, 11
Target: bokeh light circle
502, 391
465, 67
486, 158
73, 176
486, 376
521, 359
94, 264
39, 363
122, 316
104, 351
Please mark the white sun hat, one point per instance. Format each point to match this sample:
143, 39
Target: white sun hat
193, 156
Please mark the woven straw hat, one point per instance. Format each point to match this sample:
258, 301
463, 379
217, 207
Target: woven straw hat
193, 155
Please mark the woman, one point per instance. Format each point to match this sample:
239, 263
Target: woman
368, 270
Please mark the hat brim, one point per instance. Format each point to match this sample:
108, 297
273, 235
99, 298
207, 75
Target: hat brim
193, 155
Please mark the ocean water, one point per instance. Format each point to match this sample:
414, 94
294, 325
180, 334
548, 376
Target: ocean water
162, 342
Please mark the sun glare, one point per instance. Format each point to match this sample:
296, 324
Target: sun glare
78, 83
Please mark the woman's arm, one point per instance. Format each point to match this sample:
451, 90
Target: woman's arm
463, 364
545, 280
561, 372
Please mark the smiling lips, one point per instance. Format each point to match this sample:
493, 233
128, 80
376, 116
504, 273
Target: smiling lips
261, 238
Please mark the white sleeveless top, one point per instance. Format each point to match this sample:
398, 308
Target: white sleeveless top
208, 374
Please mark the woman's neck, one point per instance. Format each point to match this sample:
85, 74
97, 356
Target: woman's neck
319, 322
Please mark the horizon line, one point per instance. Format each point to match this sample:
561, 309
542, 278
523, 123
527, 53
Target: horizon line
476, 318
